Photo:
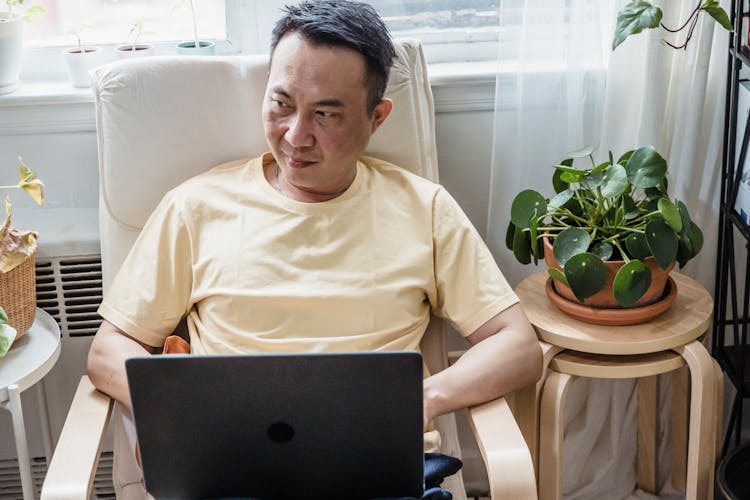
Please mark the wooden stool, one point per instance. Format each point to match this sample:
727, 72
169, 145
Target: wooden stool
665, 344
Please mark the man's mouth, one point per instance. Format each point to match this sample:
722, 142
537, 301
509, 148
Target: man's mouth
298, 162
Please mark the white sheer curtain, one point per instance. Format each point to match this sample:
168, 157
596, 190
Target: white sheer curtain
560, 87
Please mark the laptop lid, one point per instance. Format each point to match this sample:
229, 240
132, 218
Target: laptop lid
312, 426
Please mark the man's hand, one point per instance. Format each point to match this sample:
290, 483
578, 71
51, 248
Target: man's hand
505, 356
106, 361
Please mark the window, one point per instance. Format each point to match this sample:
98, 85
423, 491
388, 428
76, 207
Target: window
110, 21
451, 30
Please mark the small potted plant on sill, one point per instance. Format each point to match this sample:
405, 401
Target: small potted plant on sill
81, 58
17, 270
133, 48
610, 235
196, 46
11, 41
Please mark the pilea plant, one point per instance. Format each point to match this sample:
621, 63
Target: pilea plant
615, 210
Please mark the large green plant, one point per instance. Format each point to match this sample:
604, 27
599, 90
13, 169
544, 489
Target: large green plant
615, 210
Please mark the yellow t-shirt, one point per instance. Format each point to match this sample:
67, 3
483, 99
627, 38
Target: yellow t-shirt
254, 271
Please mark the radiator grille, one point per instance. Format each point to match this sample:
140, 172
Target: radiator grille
70, 290
10, 479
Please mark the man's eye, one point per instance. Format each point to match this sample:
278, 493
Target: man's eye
325, 114
279, 103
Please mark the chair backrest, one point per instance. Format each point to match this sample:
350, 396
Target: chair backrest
161, 120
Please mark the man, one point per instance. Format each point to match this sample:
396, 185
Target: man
313, 247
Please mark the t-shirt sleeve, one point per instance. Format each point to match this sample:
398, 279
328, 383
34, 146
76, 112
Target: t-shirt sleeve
152, 289
470, 288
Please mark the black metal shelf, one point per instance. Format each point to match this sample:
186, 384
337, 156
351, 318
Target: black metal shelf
731, 325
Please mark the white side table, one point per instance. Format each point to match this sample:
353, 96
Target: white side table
28, 361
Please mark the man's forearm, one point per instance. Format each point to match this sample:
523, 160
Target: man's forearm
106, 361
496, 365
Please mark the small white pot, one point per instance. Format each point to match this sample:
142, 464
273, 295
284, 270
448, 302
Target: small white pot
141, 50
79, 61
11, 51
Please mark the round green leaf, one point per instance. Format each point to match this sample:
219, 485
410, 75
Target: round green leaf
646, 168
557, 275
592, 180
586, 275
631, 282
615, 181
691, 237
623, 160
584, 151
561, 198
571, 177
637, 246
662, 242
602, 249
509, 233
522, 246
527, 204
602, 166
557, 183
569, 242
670, 213
630, 208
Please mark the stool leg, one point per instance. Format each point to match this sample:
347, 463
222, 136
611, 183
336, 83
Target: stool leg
680, 391
527, 402
702, 429
648, 433
551, 421
719, 407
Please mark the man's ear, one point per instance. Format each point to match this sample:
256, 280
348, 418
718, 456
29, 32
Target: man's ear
380, 113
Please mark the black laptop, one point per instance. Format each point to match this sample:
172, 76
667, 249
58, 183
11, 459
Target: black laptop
312, 426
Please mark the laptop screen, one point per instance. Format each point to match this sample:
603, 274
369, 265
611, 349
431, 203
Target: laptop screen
346, 425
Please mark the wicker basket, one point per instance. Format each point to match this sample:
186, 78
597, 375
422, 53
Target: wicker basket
18, 295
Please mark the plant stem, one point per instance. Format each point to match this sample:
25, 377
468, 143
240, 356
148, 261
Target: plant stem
195, 26
694, 13
622, 252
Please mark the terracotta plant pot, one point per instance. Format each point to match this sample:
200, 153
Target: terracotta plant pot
605, 297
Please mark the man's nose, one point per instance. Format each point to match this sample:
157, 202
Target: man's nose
299, 134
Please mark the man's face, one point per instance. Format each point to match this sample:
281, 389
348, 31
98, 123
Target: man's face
315, 114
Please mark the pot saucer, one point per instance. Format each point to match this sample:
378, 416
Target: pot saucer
613, 317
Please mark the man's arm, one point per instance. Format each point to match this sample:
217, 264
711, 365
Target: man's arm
504, 356
106, 361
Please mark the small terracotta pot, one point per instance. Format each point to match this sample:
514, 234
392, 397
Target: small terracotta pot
605, 298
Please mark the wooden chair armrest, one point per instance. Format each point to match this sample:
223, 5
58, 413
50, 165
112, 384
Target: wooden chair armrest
70, 474
509, 467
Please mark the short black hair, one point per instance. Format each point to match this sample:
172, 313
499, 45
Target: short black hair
345, 23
